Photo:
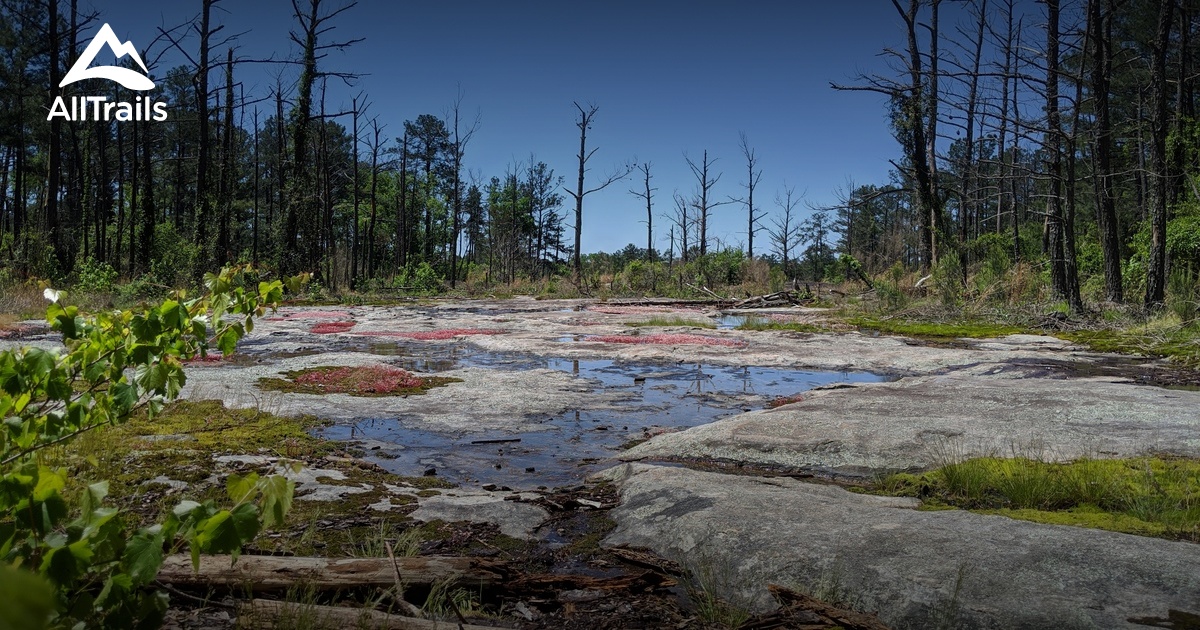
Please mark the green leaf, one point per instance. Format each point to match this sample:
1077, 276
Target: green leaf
93, 497
173, 315
240, 487
124, 397
226, 532
143, 557
60, 565
227, 342
26, 600
277, 500
152, 611
39, 361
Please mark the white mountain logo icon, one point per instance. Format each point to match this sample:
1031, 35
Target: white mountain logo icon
124, 76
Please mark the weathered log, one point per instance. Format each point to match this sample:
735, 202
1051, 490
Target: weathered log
265, 613
554, 583
274, 573
790, 601
646, 559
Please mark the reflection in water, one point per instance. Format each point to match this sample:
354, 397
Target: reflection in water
654, 397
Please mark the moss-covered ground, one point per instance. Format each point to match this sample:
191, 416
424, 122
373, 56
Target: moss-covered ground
1151, 496
147, 461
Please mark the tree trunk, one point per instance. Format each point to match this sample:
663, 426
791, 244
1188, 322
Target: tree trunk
149, 216
203, 156
1156, 274
374, 206
1102, 179
354, 192
54, 157
224, 248
585, 119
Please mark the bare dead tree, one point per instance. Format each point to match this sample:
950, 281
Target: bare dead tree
915, 121
754, 174
786, 231
968, 211
203, 206
354, 192
703, 201
647, 194
461, 137
584, 123
681, 219
300, 246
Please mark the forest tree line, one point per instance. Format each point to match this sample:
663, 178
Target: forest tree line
1059, 136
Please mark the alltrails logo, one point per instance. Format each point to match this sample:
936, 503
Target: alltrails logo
98, 106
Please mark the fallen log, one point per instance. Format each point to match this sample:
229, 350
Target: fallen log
265, 613
647, 560
276, 573
555, 583
792, 603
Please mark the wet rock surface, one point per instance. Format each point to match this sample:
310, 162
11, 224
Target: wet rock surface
915, 568
514, 518
542, 402
924, 422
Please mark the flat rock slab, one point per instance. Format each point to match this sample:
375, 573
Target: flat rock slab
918, 569
485, 400
925, 421
515, 519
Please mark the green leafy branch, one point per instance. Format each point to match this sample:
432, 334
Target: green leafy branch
114, 365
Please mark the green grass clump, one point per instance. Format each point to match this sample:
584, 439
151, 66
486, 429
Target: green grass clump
1152, 496
758, 323
936, 330
1180, 344
667, 322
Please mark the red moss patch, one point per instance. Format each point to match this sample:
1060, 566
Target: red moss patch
428, 335
370, 380
211, 357
325, 328
15, 331
785, 400
665, 339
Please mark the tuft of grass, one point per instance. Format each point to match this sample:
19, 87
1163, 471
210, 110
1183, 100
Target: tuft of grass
446, 603
673, 321
759, 323
406, 542
936, 330
703, 584
1155, 496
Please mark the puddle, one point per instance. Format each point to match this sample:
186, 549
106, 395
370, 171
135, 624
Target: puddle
727, 321
656, 397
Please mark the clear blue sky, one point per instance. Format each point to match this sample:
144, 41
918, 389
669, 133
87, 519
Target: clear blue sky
668, 77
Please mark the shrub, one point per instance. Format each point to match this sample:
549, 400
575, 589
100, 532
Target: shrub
95, 277
115, 363
420, 279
